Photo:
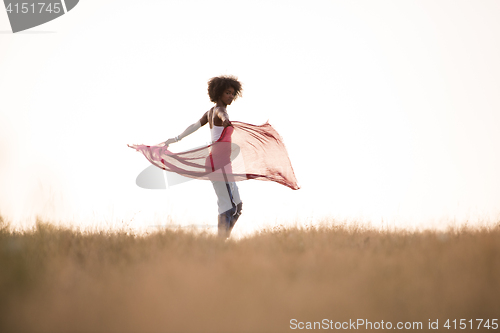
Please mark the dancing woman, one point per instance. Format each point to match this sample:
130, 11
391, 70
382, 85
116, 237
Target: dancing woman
222, 90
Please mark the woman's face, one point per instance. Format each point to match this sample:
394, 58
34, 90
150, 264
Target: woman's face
227, 96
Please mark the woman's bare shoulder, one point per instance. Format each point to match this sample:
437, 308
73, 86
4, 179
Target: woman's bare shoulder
220, 109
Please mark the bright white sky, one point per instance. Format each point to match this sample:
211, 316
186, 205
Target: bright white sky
389, 109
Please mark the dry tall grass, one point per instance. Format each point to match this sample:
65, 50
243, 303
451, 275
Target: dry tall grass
59, 280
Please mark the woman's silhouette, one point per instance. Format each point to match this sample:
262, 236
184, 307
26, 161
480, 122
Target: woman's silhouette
222, 90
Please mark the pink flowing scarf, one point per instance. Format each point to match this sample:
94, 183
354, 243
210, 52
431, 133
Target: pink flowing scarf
243, 151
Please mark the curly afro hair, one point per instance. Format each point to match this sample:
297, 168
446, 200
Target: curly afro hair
217, 85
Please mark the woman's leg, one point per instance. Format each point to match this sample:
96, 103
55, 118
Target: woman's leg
229, 206
223, 228
237, 205
225, 207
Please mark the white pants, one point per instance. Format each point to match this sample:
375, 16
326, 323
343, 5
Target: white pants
224, 194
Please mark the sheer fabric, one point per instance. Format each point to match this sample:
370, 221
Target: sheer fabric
243, 151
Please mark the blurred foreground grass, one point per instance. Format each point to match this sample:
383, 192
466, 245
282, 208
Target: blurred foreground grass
59, 280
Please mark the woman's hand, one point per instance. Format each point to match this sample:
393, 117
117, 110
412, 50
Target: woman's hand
167, 143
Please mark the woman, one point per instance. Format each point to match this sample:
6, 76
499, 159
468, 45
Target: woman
222, 90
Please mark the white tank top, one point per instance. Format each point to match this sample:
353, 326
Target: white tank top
215, 131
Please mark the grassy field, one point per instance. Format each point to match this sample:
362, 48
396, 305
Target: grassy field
59, 280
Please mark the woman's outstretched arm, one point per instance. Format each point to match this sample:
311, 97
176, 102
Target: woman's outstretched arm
191, 129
